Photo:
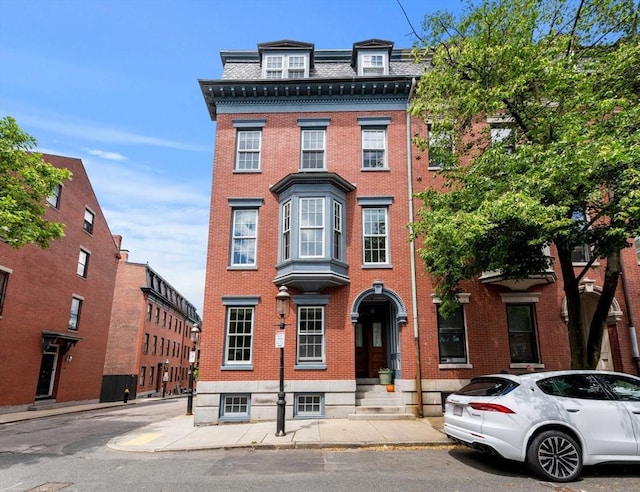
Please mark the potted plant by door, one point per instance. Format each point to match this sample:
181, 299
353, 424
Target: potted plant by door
385, 375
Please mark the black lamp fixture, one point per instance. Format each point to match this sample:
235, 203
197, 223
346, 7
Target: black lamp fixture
195, 333
282, 310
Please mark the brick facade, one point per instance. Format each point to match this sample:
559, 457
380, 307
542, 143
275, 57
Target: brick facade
37, 304
149, 334
334, 97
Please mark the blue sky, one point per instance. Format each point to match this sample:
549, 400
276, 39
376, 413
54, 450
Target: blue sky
115, 83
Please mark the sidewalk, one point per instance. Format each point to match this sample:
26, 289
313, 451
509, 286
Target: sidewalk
179, 434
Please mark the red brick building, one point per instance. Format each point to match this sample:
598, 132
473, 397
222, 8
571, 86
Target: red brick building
149, 334
313, 177
55, 303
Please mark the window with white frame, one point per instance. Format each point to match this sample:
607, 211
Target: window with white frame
313, 149
145, 344
337, 230
239, 335
311, 227
286, 230
504, 136
285, 66
89, 218
582, 252
452, 343
74, 314
83, 263
308, 405
234, 406
244, 236
310, 334
4, 281
373, 64
54, 198
374, 143
143, 375
296, 66
521, 321
151, 375
249, 143
440, 148
375, 240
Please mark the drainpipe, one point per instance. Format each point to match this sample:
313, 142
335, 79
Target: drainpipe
412, 256
632, 330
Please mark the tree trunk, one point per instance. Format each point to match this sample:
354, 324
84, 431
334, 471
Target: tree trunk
575, 328
599, 320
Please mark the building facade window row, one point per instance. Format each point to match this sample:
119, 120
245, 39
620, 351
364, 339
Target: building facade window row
313, 144
311, 227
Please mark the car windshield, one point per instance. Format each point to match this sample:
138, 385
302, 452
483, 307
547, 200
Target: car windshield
487, 387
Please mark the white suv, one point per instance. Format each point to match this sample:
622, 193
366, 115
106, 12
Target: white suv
556, 421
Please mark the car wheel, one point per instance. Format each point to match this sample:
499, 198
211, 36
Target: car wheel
555, 456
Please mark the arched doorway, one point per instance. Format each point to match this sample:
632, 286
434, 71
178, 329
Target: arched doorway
377, 315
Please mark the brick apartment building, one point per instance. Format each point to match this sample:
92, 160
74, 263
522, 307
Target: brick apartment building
314, 174
55, 303
149, 334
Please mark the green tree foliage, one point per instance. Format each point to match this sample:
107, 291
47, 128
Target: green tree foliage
25, 182
564, 75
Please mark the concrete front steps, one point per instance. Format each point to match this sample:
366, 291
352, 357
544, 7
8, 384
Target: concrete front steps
374, 402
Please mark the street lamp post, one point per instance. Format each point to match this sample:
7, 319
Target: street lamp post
195, 331
282, 310
165, 377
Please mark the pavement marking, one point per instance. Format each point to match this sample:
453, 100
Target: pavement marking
143, 439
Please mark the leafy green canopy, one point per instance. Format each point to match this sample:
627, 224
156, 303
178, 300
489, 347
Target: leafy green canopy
565, 77
25, 181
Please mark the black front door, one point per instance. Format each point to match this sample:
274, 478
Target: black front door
47, 373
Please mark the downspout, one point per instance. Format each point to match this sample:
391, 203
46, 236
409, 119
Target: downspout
632, 330
412, 256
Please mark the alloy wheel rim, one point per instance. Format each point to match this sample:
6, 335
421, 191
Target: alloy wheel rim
558, 457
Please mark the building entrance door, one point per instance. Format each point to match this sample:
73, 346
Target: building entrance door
47, 373
371, 340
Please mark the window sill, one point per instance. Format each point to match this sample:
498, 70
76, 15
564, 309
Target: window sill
242, 267
374, 169
455, 366
524, 365
239, 367
310, 367
247, 171
367, 266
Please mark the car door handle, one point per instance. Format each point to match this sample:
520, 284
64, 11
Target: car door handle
573, 410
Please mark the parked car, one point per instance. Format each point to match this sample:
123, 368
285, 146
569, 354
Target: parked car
556, 421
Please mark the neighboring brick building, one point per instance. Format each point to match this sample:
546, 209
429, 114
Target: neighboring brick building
149, 335
55, 303
313, 178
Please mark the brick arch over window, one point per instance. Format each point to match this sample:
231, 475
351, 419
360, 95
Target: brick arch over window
378, 291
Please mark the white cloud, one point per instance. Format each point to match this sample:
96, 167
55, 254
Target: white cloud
110, 156
91, 131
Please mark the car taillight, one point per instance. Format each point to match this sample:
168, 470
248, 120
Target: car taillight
490, 407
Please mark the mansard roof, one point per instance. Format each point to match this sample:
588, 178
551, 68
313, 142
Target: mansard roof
332, 74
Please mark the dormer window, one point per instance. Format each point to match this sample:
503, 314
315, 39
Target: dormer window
283, 66
371, 58
373, 64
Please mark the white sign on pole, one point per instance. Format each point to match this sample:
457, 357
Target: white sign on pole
280, 339
192, 357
